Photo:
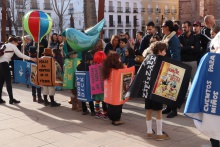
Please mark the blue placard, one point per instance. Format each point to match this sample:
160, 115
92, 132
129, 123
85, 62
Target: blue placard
23, 72
83, 86
204, 92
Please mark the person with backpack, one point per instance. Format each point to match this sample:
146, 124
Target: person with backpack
6, 54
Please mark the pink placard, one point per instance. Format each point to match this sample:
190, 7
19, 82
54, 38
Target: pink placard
96, 81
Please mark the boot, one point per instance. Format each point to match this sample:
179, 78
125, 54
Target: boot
34, 99
53, 103
167, 110
46, 102
40, 100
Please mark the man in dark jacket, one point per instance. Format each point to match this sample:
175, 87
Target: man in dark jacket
190, 47
145, 42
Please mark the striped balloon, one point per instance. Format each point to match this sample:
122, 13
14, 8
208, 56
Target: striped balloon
37, 24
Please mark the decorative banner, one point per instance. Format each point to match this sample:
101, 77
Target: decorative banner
96, 81
49, 72
83, 86
23, 72
37, 24
69, 73
113, 94
161, 79
202, 103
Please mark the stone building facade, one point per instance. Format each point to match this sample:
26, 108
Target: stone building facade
196, 9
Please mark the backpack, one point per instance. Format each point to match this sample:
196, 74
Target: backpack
2, 50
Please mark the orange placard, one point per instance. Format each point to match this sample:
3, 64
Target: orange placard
48, 72
117, 85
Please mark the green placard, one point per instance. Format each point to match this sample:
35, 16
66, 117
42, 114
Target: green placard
69, 73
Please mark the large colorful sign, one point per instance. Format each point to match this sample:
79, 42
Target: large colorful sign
69, 73
83, 86
112, 93
161, 79
96, 81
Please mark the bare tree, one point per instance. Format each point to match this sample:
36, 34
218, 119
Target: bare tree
90, 17
60, 10
16, 17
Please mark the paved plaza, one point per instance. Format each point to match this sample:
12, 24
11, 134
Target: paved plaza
30, 124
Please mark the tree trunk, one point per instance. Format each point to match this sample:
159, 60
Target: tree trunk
90, 18
3, 33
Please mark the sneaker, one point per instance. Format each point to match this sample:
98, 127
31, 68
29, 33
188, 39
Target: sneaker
172, 114
14, 101
98, 115
165, 136
2, 101
85, 113
150, 135
105, 117
54, 104
119, 122
92, 114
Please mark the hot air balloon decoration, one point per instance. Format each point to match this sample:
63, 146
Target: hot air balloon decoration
37, 24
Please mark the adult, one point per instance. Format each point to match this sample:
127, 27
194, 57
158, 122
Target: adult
190, 47
112, 45
173, 51
53, 41
197, 27
11, 48
205, 32
100, 45
121, 35
60, 40
28, 41
213, 33
178, 23
139, 36
145, 42
130, 43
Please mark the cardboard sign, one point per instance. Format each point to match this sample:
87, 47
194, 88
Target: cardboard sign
161, 79
24, 72
83, 86
49, 72
69, 73
96, 81
113, 94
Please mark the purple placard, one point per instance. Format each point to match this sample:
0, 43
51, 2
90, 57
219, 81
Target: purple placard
96, 81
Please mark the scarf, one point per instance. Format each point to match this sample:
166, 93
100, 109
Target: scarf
167, 38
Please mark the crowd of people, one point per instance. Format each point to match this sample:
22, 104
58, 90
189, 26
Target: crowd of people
186, 42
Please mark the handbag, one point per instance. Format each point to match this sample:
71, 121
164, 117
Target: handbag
139, 58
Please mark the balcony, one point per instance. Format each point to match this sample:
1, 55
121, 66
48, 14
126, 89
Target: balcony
111, 24
119, 9
120, 24
127, 10
150, 10
111, 9
142, 10
135, 10
173, 11
34, 6
128, 24
70, 11
47, 6
157, 10
143, 23
166, 11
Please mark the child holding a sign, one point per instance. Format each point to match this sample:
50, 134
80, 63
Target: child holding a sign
84, 66
112, 61
158, 48
98, 59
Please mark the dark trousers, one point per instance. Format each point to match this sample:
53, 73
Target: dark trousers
114, 112
104, 106
215, 143
5, 76
171, 108
34, 90
91, 106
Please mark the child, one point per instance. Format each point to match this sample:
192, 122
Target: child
99, 58
158, 48
112, 62
33, 54
129, 57
122, 48
49, 90
84, 66
58, 57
